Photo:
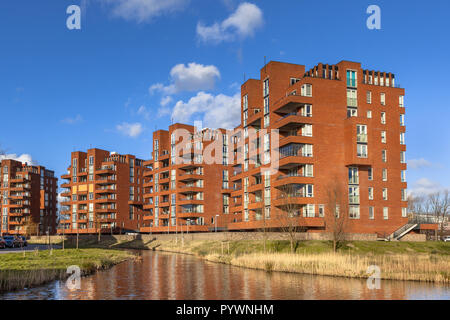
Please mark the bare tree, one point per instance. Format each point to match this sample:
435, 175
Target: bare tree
337, 215
440, 208
288, 215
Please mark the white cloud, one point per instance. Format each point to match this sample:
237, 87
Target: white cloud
73, 120
418, 163
166, 100
24, 158
243, 23
192, 77
132, 130
143, 10
142, 111
425, 186
219, 111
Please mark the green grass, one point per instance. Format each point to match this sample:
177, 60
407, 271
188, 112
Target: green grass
31, 268
237, 248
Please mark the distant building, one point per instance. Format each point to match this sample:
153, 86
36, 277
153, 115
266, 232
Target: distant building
103, 192
28, 199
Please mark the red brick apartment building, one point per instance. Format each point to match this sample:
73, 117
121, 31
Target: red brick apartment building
341, 128
186, 190
332, 137
103, 192
28, 197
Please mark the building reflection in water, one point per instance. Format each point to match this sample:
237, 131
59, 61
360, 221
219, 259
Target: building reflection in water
176, 276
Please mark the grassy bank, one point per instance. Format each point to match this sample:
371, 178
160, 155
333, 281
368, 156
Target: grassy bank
33, 268
419, 261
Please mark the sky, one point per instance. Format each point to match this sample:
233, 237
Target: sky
137, 65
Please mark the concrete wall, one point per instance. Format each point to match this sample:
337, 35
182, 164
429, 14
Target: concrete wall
219, 236
414, 237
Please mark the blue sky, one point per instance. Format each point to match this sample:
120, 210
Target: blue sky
137, 64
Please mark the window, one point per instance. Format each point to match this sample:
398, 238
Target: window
245, 102
307, 130
402, 157
400, 101
351, 78
404, 212
306, 110
266, 121
383, 136
383, 118
309, 170
266, 105
370, 174
306, 90
369, 114
353, 176
361, 133
352, 112
385, 193
383, 155
294, 81
361, 150
266, 88
354, 212
369, 97
402, 119
353, 195
371, 213
402, 138
404, 195
370, 193
384, 173
352, 98
321, 210
385, 213
403, 175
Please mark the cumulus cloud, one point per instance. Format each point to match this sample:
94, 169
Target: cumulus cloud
220, 111
143, 10
192, 77
73, 120
24, 158
242, 23
425, 186
418, 163
132, 130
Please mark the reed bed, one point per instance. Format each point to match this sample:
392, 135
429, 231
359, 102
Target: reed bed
423, 267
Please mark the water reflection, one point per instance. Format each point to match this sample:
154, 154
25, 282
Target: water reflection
172, 276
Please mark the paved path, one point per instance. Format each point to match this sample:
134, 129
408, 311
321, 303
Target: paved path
30, 247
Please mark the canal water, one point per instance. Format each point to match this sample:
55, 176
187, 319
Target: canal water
176, 276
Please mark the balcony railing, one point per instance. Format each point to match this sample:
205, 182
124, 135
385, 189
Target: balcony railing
361, 137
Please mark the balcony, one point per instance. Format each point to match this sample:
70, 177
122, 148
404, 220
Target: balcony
292, 179
292, 120
290, 103
190, 176
107, 180
295, 139
106, 200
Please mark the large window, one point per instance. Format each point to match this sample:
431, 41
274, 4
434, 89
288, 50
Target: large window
351, 78
361, 150
353, 175
306, 90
